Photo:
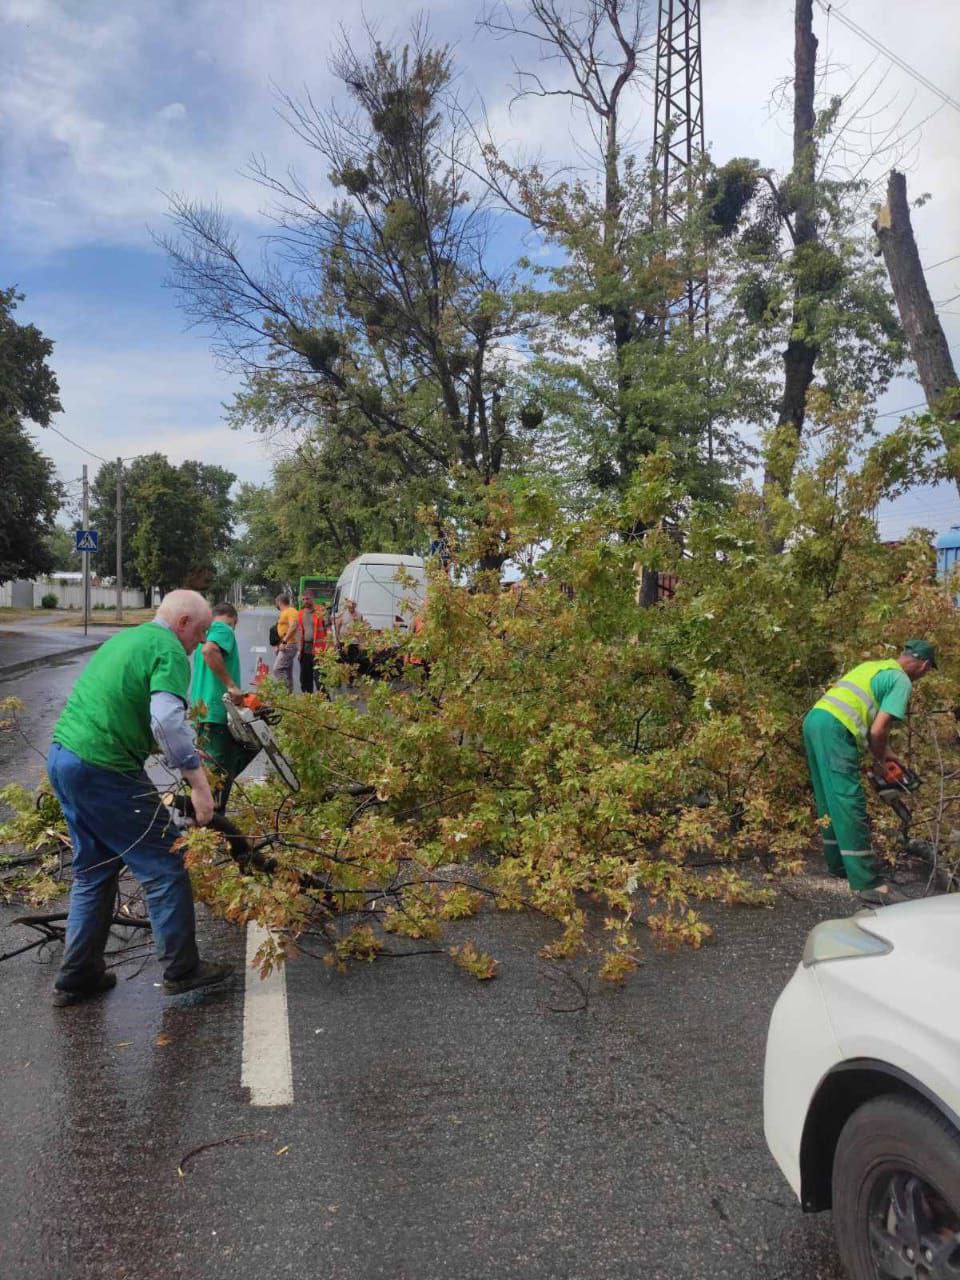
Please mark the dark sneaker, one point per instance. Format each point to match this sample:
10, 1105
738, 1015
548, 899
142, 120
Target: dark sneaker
206, 974
882, 895
62, 998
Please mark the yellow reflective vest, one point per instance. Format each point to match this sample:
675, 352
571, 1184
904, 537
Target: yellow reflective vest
851, 698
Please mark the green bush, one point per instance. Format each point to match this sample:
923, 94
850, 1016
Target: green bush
49, 601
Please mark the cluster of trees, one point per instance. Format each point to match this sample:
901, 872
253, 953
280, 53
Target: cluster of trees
176, 523
405, 359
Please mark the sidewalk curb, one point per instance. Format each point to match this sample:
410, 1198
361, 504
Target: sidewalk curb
31, 664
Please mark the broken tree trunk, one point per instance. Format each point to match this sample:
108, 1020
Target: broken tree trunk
800, 356
921, 324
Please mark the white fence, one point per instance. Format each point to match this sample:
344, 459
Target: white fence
69, 594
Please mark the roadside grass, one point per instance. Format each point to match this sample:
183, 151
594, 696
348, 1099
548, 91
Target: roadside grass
74, 617
104, 618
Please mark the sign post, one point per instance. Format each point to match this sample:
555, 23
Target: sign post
85, 551
86, 540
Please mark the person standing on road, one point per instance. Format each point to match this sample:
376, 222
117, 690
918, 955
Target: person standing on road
311, 640
133, 689
216, 671
287, 641
854, 715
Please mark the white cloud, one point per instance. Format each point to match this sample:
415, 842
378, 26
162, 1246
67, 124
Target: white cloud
172, 111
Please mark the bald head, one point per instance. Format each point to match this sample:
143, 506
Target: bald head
187, 614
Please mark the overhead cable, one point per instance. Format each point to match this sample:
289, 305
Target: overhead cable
82, 448
829, 10
892, 413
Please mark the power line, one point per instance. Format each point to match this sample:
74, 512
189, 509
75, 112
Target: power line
82, 448
942, 262
892, 413
828, 9
127, 457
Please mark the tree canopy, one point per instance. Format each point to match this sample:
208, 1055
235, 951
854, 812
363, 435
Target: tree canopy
30, 494
175, 521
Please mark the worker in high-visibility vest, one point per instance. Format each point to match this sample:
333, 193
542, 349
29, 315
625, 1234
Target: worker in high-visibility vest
311, 634
855, 715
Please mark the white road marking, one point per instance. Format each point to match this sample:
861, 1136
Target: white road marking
265, 1065
259, 648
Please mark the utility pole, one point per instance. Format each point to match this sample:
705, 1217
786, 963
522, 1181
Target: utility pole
119, 541
86, 554
678, 138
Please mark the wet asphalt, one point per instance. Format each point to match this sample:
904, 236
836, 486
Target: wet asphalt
539, 1125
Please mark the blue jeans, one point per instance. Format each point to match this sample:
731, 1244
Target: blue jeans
116, 819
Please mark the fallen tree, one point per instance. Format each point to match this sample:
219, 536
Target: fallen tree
557, 748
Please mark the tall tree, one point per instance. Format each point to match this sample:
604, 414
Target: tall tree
610, 369
29, 501
928, 343
378, 321
176, 520
819, 291
30, 495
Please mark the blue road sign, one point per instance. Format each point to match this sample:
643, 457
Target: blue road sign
87, 539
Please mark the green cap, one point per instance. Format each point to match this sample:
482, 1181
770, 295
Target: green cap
921, 649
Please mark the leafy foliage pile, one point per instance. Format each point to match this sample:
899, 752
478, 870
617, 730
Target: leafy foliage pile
557, 745
33, 839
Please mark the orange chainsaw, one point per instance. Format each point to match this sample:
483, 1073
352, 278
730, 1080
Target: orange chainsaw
894, 782
251, 723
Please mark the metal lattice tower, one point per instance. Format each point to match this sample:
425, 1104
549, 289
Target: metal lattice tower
678, 139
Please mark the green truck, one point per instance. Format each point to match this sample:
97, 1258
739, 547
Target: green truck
321, 589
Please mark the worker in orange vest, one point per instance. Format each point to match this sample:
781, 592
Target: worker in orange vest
311, 640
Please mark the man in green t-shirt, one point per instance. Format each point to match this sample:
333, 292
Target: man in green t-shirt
855, 715
216, 671
132, 692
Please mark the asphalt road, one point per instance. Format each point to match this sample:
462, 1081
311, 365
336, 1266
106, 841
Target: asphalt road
440, 1128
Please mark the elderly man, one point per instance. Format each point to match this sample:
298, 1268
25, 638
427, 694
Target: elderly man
216, 671
133, 689
854, 715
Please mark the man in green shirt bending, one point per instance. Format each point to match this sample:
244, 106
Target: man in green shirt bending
855, 715
131, 694
216, 671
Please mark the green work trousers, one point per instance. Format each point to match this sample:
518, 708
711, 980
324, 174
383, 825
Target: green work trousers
230, 757
834, 761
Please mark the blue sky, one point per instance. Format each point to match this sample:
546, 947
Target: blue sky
106, 105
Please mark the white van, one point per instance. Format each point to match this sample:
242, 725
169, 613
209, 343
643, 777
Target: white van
382, 602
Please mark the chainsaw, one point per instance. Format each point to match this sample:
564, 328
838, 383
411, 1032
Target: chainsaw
251, 723
894, 783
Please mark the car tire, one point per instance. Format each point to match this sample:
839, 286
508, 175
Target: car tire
897, 1167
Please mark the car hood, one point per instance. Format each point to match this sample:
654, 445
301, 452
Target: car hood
928, 926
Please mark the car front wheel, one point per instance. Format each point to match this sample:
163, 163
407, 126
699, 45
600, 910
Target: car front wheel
896, 1192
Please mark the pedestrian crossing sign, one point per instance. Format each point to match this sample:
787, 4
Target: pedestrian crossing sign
87, 539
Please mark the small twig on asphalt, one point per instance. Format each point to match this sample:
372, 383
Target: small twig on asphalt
256, 1135
575, 982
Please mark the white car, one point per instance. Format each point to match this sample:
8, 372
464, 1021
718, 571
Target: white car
862, 1087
